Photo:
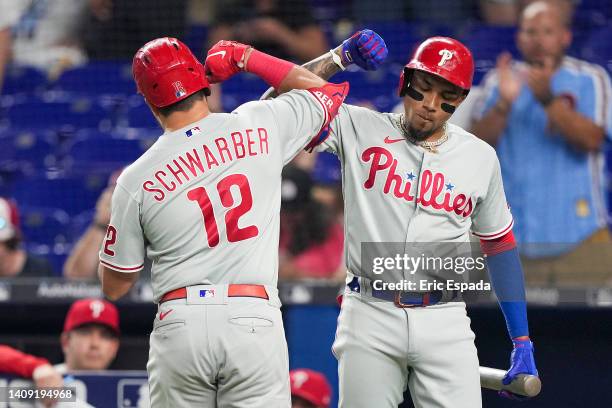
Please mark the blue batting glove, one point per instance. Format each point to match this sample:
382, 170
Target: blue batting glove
521, 362
366, 49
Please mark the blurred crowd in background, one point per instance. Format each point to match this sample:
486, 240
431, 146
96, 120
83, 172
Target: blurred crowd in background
70, 119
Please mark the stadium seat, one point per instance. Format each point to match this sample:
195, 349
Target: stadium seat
598, 48
43, 225
596, 6
79, 223
56, 110
20, 79
27, 149
139, 115
195, 39
241, 89
376, 89
327, 170
110, 77
486, 43
400, 37
55, 254
103, 150
73, 194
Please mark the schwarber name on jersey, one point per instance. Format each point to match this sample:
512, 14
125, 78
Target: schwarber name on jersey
204, 200
395, 191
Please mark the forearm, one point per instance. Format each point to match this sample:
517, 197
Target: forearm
13, 361
282, 75
507, 280
116, 284
323, 66
491, 126
83, 260
577, 129
300, 78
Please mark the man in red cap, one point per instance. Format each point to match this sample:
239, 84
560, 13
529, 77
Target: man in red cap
309, 389
90, 341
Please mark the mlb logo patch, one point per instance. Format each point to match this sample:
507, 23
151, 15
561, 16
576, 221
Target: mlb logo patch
178, 89
193, 131
207, 293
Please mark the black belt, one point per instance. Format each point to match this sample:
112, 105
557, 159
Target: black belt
407, 299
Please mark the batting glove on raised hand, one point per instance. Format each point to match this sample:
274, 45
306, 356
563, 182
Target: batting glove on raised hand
521, 362
365, 48
224, 60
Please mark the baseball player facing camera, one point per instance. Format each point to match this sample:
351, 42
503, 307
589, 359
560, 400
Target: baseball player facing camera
415, 178
204, 200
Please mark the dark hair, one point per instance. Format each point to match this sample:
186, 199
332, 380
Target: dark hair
185, 104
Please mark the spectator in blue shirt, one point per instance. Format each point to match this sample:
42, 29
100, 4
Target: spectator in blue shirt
548, 117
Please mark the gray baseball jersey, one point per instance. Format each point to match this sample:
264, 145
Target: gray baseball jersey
204, 200
395, 191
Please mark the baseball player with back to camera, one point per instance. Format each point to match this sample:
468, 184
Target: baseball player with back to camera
412, 178
204, 201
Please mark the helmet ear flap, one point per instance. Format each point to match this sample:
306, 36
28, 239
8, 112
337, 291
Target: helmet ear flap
405, 79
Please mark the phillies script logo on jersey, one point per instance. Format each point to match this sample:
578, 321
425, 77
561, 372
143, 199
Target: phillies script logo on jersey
431, 191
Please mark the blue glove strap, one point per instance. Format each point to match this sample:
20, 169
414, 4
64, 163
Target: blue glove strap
508, 283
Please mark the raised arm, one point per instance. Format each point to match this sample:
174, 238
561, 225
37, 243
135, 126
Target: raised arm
364, 48
227, 58
493, 123
577, 129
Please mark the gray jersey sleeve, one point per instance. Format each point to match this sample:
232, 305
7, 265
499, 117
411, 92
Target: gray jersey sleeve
298, 116
492, 218
123, 247
333, 142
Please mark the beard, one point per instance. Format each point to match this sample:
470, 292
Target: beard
419, 135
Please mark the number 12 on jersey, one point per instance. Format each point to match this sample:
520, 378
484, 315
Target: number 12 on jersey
234, 232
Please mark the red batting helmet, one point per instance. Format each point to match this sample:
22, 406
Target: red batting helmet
444, 57
166, 71
311, 386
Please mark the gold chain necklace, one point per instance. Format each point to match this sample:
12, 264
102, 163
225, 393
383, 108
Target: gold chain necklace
431, 146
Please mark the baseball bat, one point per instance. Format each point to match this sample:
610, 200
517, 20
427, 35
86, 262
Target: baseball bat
523, 384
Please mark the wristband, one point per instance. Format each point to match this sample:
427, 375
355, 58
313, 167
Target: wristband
271, 69
337, 60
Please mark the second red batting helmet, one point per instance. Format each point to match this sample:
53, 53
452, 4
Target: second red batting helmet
166, 72
311, 386
444, 57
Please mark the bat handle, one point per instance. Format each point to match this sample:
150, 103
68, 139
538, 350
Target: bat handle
523, 384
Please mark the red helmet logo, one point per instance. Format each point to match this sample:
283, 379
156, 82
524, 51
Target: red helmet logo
166, 72
444, 57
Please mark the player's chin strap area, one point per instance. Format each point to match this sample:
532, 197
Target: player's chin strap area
408, 90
